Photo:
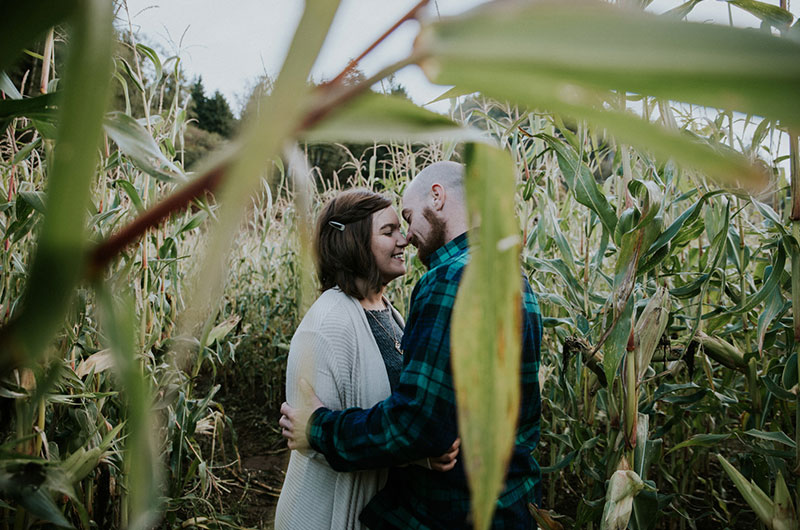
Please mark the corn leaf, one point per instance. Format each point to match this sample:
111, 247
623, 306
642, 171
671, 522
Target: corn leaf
117, 316
21, 25
58, 263
776, 436
581, 181
375, 117
517, 52
486, 330
262, 140
771, 14
774, 306
757, 499
701, 440
138, 144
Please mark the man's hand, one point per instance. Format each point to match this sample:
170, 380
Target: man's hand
294, 421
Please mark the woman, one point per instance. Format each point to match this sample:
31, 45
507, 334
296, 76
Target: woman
348, 347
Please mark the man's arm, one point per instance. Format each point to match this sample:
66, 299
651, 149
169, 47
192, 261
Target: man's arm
418, 420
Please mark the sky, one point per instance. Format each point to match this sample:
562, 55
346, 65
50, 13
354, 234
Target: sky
230, 43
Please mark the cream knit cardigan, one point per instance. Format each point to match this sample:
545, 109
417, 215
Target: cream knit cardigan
334, 349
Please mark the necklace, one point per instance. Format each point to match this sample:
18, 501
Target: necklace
394, 337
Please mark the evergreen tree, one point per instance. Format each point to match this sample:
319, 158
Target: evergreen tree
212, 114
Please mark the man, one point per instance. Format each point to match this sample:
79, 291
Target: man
419, 419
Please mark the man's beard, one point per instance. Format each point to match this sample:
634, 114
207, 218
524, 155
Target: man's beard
435, 238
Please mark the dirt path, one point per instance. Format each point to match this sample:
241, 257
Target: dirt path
255, 484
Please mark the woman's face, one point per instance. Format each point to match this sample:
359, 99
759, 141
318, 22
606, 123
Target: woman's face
388, 243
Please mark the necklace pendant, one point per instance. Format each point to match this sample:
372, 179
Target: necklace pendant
397, 346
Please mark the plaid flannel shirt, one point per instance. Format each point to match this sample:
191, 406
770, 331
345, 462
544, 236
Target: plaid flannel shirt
419, 419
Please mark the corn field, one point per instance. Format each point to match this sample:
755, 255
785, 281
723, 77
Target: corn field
654, 166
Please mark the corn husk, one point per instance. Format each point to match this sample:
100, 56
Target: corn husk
649, 329
722, 351
623, 486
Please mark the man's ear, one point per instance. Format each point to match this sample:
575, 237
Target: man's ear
438, 196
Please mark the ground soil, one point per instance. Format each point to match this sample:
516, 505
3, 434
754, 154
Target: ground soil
253, 480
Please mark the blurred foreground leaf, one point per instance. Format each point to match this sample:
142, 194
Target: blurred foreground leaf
375, 117
517, 51
59, 259
486, 330
21, 24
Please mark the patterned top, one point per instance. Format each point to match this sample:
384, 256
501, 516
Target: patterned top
419, 419
386, 331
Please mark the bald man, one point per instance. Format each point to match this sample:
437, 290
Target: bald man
419, 419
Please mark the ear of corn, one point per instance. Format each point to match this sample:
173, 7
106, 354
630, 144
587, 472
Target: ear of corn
623, 486
722, 351
649, 329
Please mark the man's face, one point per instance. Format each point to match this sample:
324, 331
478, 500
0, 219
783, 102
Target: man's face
426, 229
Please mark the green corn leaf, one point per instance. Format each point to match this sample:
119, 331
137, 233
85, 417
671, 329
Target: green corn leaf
117, 317
581, 181
130, 191
771, 284
682, 10
35, 199
771, 14
509, 53
58, 262
39, 503
219, 331
486, 330
686, 218
770, 215
8, 87
776, 390
701, 440
614, 48
776, 436
757, 499
21, 25
775, 305
131, 73
375, 117
134, 140
23, 153
649, 195
151, 54
41, 108
785, 516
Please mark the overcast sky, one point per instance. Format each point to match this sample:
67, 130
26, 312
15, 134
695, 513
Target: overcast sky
230, 43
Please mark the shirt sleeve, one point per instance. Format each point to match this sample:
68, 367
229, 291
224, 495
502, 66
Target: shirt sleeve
419, 419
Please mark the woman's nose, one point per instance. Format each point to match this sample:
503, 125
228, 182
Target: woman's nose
402, 241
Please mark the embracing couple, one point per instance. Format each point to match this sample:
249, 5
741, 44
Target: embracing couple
371, 410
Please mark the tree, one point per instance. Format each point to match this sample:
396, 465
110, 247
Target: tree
212, 114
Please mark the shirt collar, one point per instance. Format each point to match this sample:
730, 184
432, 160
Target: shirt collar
453, 248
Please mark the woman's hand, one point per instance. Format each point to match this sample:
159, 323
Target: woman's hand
446, 461
294, 421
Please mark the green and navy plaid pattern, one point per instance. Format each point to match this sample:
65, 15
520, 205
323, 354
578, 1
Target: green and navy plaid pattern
419, 419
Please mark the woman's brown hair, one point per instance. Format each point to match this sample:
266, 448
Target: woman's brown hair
342, 242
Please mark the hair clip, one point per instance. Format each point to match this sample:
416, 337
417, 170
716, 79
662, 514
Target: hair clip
337, 225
